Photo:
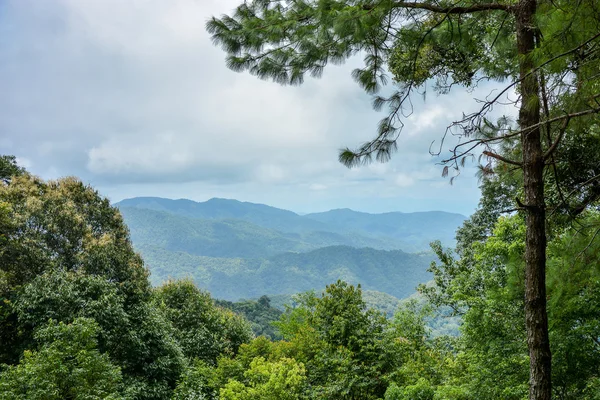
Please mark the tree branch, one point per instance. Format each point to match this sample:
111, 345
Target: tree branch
566, 116
489, 103
448, 9
503, 159
554, 145
574, 191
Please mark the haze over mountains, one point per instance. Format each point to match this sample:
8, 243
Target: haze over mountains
241, 250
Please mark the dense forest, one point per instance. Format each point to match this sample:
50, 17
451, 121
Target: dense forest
239, 250
258, 230
393, 272
541, 58
80, 319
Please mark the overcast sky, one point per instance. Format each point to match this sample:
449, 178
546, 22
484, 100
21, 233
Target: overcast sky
132, 97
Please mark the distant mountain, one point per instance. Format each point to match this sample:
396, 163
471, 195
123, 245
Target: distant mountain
230, 237
259, 214
417, 229
206, 237
245, 250
410, 232
394, 272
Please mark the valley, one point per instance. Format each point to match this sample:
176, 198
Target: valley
238, 250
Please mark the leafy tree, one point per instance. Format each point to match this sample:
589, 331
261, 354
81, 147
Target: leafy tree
59, 225
281, 380
66, 255
488, 293
259, 313
421, 390
65, 296
341, 342
66, 225
199, 382
9, 168
67, 365
547, 49
134, 336
203, 330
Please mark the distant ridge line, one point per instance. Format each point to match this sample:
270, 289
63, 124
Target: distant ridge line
225, 200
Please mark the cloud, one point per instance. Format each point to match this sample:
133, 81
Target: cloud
403, 180
317, 186
132, 95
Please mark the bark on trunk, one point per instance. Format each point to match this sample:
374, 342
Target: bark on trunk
536, 317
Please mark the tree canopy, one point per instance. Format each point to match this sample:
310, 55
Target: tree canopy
82, 330
547, 50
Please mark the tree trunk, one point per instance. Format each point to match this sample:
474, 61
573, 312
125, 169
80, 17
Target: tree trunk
536, 317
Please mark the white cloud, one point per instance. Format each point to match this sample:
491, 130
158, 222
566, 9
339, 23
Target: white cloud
270, 173
155, 154
403, 180
428, 118
131, 94
317, 186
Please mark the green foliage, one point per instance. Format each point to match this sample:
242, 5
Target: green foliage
486, 287
259, 313
422, 390
83, 323
60, 226
393, 272
138, 338
66, 295
453, 50
341, 342
197, 383
66, 225
9, 168
67, 365
203, 330
281, 380
66, 254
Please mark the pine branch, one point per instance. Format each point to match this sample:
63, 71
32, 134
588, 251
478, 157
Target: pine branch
451, 9
503, 159
561, 133
593, 179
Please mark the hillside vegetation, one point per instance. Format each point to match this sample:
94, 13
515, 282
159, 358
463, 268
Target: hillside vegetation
411, 232
243, 250
79, 318
393, 272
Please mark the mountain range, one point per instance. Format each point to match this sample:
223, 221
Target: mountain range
238, 250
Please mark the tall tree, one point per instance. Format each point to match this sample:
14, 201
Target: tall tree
548, 49
65, 253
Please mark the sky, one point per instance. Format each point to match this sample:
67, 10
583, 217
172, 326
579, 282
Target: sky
132, 97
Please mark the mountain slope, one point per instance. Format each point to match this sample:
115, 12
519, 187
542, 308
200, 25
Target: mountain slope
389, 231
214, 238
245, 250
417, 229
231, 237
259, 214
393, 272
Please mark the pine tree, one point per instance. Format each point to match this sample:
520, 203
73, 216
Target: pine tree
547, 50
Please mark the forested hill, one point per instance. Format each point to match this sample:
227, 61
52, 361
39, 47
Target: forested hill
411, 232
231, 237
393, 272
259, 214
243, 250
